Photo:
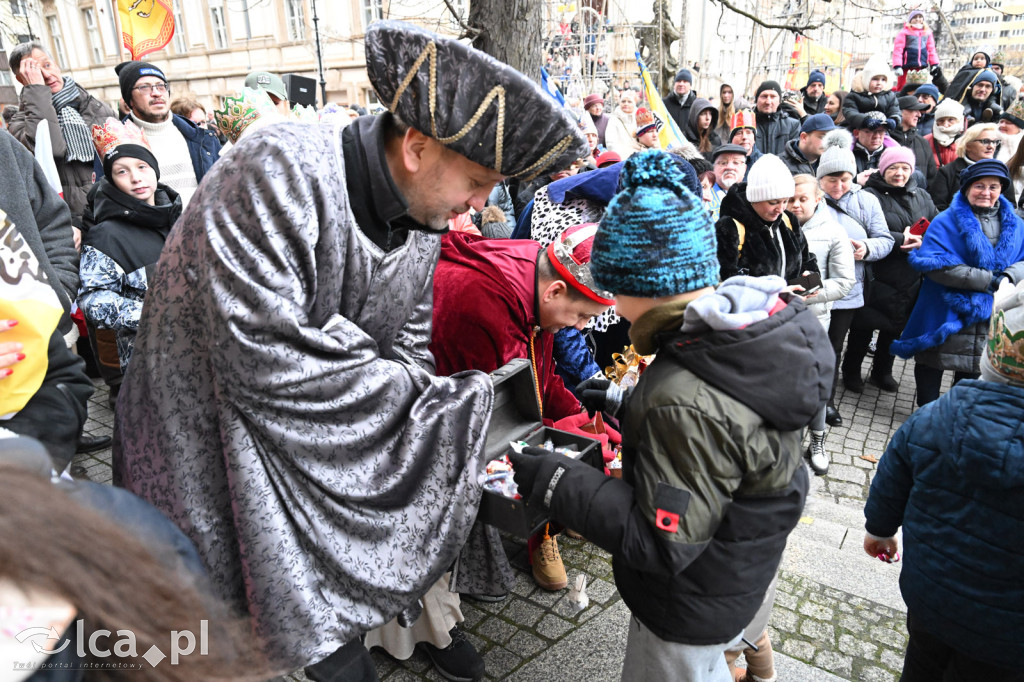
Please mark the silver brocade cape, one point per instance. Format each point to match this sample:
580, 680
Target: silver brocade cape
325, 486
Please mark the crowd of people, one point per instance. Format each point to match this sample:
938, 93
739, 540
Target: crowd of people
296, 313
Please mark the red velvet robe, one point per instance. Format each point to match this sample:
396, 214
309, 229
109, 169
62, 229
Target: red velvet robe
484, 312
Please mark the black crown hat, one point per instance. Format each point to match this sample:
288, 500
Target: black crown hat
470, 102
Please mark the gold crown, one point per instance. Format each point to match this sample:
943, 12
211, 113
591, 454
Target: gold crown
113, 134
242, 111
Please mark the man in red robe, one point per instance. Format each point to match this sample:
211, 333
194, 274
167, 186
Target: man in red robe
498, 300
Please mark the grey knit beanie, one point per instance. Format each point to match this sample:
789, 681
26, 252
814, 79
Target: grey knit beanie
838, 154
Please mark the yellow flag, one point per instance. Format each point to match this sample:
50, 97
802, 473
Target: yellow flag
808, 55
146, 25
669, 134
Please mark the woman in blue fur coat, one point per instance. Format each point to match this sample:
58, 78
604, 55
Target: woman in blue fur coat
966, 253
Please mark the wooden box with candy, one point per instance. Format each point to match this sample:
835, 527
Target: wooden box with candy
515, 419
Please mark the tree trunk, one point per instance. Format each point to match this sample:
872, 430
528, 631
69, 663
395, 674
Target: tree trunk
510, 31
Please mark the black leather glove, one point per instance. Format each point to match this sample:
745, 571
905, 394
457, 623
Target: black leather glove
602, 395
537, 472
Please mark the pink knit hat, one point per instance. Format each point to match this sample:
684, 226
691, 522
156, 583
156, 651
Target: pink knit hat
896, 155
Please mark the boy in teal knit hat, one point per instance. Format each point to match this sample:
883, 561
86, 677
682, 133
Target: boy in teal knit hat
713, 480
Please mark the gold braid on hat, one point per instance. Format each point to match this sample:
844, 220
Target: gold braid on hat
496, 93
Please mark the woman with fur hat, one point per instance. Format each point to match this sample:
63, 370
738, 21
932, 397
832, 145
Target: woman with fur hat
965, 254
872, 93
861, 216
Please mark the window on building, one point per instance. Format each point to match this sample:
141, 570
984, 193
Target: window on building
373, 10
19, 8
220, 26
180, 40
295, 18
92, 33
53, 24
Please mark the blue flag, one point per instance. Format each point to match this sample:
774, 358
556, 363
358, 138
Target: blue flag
549, 87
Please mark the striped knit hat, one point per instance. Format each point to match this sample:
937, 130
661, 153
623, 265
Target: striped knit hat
655, 239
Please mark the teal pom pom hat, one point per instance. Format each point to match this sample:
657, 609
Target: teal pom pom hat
655, 238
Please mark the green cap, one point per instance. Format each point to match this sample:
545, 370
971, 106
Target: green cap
264, 80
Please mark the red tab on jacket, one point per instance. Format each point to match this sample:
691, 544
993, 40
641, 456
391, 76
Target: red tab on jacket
667, 521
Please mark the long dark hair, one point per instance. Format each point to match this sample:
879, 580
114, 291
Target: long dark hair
1016, 163
51, 544
840, 118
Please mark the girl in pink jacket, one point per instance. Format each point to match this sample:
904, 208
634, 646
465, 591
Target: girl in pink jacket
914, 49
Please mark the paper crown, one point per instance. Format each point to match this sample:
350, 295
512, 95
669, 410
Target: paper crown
303, 113
470, 102
242, 111
1006, 342
919, 77
1015, 113
569, 254
999, 58
644, 120
113, 134
743, 119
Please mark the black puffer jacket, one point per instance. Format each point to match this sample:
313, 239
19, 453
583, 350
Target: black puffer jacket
895, 283
858, 104
764, 247
795, 161
774, 131
924, 160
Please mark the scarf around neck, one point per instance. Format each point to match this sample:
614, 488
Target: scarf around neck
76, 133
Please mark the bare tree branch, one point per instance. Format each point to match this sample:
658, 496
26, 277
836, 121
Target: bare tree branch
800, 29
467, 30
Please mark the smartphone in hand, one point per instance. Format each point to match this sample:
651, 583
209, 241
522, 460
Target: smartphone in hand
920, 226
810, 282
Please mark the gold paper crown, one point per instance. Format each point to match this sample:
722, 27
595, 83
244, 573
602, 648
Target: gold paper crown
242, 111
113, 134
305, 114
1006, 348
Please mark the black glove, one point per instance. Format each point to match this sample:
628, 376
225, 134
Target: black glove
602, 395
997, 278
534, 468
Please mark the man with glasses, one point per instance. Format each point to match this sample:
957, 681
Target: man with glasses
184, 150
729, 166
870, 141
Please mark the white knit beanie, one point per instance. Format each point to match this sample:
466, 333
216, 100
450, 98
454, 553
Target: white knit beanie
877, 65
838, 154
769, 179
949, 108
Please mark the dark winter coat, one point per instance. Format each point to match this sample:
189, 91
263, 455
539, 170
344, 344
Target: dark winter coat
119, 256
924, 160
712, 476
774, 131
960, 90
76, 177
814, 106
895, 282
924, 125
794, 159
953, 478
679, 111
765, 247
858, 104
700, 105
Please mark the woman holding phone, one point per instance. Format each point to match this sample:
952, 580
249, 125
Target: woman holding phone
894, 285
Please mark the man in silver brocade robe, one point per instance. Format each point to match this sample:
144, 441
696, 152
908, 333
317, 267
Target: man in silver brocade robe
281, 406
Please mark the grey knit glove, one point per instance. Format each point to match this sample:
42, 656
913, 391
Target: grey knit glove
602, 395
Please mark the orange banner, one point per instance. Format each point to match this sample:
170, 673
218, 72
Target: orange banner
146, 25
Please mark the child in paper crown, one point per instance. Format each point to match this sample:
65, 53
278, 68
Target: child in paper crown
712, 476
914, 48
133, 214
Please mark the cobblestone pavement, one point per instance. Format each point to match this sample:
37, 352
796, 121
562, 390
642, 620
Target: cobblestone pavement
838, 614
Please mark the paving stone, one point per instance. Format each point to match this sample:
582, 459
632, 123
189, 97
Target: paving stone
834, 662
817, 612
525, 644
892, 660
797, 648
841, 472
553, 627
500, 662
496, 630
471, 614
816, 629
850, 645
522, 612
783, 618
874, 674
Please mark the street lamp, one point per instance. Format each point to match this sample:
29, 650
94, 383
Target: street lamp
319, 55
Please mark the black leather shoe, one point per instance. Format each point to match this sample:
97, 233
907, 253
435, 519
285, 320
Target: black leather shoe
459, 661
87, 444
832, 417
